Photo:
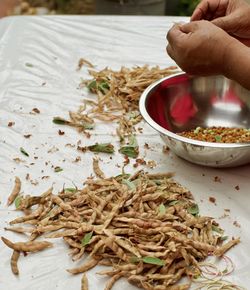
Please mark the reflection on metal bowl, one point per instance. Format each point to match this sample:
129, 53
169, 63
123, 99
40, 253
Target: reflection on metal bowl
181, 102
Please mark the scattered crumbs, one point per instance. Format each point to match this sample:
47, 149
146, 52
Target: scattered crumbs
237, 187
70, 145
118, 166
34, 182
227, 210
139, 161
151, 164
58, 169
78, 158
217, 179
46, 163
10, 124
110, 157
140, 130
146, 146
236, 224
60, 132
42, 171
27, 136
45, 177
36, 111
126, 160
203, 174
36, 157
201, 200
79, 142
212, 199
18, 160
27, 177
87, 134
165, 149
82, 149
32, 163
53, 149
43, 84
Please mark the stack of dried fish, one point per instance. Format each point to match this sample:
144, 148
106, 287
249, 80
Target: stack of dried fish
147, 227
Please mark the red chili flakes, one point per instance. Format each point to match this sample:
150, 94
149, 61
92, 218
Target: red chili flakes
217, 179
45, 177
10, 124
237, 187
212, 199
139, 161
27, 136
78, 158
126, 160
61, 132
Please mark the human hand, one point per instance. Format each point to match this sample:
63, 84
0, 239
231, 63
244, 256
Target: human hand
230, 15
199, 47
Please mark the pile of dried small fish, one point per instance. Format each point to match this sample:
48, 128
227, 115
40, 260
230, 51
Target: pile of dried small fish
146, 227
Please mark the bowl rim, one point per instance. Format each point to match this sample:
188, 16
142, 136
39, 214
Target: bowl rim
160, 129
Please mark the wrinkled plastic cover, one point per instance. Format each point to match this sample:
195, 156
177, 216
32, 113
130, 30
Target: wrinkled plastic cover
38, 60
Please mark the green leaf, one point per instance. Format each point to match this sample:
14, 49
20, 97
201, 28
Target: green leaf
17, 201
24, 152
58, 169
162, 208
29, 64
173, 202
153, 261
223, 238
88, 126
193, 209
129, 184
70, 189
86, 239
218, 138
91, 85
102, 147
134, 260
129, 151
103, 86
60, 121
217, 229
122, 176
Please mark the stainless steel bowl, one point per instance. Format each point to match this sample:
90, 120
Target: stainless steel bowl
181, 102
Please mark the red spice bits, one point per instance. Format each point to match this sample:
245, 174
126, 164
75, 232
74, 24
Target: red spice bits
219, 134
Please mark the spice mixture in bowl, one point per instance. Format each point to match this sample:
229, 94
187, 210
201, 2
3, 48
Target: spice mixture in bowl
204, 120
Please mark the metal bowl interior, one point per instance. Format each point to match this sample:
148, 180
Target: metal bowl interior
181, 102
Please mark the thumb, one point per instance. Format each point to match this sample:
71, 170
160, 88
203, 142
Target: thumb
226, 23
188, 27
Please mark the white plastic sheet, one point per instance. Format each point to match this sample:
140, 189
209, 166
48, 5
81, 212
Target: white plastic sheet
38, 60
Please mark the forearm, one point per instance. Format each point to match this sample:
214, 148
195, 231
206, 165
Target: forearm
237, 64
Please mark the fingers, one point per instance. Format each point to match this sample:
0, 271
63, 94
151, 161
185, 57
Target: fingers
170, 51
210, 9
174, 33
226, 23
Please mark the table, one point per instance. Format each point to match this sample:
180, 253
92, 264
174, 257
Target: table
38, 60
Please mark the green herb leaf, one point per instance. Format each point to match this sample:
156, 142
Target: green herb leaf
17, 201
129, 184
102, 147
24, 152
153, 261
29, 64
162, 208
87, 126
122, 176
173, 202
218, 138
103, 86
193, 209
70, 189
217, 229
86, 239
92, 85
60, 121
58, 169
223, 238
132, 149
134, 260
